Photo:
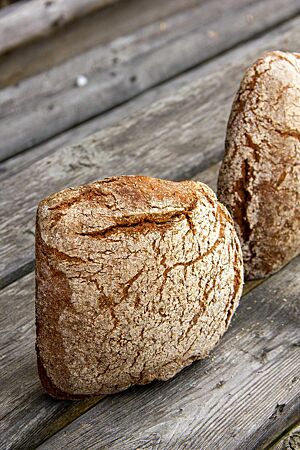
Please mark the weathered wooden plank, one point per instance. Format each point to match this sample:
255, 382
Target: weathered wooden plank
290, 440
14, 165
102, 26
236, 399
175, 137
127, 16
49, 103
29, 20
27, 415
19, 162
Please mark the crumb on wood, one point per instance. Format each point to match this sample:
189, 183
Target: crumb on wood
81, 81
212, 34
249, 18
162, 26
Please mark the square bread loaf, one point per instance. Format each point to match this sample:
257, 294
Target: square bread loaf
135, 278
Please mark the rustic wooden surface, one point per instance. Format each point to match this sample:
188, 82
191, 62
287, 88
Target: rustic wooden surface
42, 106
247, 394
101, 27
189, 121
25, 21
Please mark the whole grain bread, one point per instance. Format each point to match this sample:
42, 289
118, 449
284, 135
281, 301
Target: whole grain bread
259, 180
135, 278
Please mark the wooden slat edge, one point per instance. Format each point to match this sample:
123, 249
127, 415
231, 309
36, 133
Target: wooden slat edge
22, 22
290, 440
100, 27
55, 103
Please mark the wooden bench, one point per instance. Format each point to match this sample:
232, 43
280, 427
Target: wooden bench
159, 80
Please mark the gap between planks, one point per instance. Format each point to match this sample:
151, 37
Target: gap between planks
47, 104
289, 441
99, 28
174, 137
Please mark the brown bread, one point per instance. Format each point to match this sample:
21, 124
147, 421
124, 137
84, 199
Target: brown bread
136, 278
259, 179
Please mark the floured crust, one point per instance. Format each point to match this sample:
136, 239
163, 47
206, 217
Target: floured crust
136, 278
259, 179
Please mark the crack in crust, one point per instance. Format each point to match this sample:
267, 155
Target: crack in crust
137, 224
148, 294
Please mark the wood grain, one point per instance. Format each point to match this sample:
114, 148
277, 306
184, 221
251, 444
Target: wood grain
175, 137
51, 102
29, 20
240, 397
101, 27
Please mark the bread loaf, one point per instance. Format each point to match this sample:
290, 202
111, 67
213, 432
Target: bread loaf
259, 179
136, 278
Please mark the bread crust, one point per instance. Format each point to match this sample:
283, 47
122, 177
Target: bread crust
135, 278
259, 180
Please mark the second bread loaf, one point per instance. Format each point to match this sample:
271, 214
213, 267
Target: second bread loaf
259, 180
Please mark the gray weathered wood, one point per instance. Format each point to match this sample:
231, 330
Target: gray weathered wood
101, 27
28, 415
19, 162
25, 21
241, 397
14, 165
49, 103
175, 137
126, 17
290, 440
